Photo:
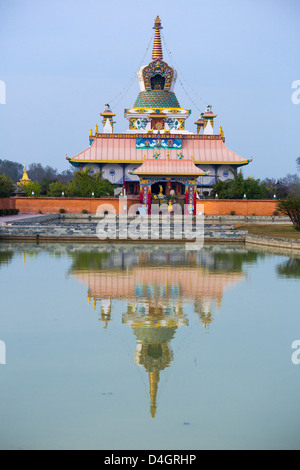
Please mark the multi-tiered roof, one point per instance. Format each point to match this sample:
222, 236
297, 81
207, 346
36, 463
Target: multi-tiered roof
157, 127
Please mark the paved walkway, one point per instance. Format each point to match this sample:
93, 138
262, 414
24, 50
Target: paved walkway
225, 220
17, 218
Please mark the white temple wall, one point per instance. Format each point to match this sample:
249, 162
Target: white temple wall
129, 169
224, 173
113, 172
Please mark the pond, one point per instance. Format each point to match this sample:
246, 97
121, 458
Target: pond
148, 347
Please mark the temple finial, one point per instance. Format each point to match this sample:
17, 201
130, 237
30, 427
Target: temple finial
153, 380
157, 49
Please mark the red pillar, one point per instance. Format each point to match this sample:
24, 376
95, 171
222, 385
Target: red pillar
141, 194
195, 199
149, 199
186, 199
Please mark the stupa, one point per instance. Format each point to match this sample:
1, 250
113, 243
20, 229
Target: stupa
157, 150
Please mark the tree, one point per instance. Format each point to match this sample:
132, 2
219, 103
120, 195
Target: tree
56, 189
298, 163
33, 187
37, 172
6, 186
6, 257
291, 207
66, 176
11, 169
289, 269
271, 187
278, 187
45, 183
292, 185
254, 189
85, 184
239, 186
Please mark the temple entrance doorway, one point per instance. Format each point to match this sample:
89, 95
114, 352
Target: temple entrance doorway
176, 186
156, 188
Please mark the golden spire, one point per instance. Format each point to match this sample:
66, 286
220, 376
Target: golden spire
157, 49
25, 176
153, 379
25, 179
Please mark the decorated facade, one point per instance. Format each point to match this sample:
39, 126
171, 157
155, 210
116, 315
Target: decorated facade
157, 154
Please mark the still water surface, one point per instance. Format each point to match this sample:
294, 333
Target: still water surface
148, 347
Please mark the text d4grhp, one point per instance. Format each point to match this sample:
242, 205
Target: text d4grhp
151, 459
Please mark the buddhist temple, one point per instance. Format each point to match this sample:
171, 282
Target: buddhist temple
157, 150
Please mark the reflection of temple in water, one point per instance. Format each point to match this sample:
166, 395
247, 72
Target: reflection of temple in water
154, 327
156, 286
161, 288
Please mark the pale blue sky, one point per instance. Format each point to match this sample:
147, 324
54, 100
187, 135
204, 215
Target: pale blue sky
63, 60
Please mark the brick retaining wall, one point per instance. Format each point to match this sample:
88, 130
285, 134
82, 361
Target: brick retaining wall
50, 205
76, 205
288, 243
240, 207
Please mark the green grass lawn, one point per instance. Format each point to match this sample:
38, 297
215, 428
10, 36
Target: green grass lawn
282, 231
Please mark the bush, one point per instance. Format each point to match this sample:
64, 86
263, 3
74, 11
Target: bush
8, 212
291, 208
232, 213
84, 211
56, 189
62, 211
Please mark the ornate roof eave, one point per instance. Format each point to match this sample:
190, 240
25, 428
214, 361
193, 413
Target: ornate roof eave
168, 167
110, 148
200, 162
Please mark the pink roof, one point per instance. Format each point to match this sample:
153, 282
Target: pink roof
210, 151
114, 148
168, 167
192, 281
